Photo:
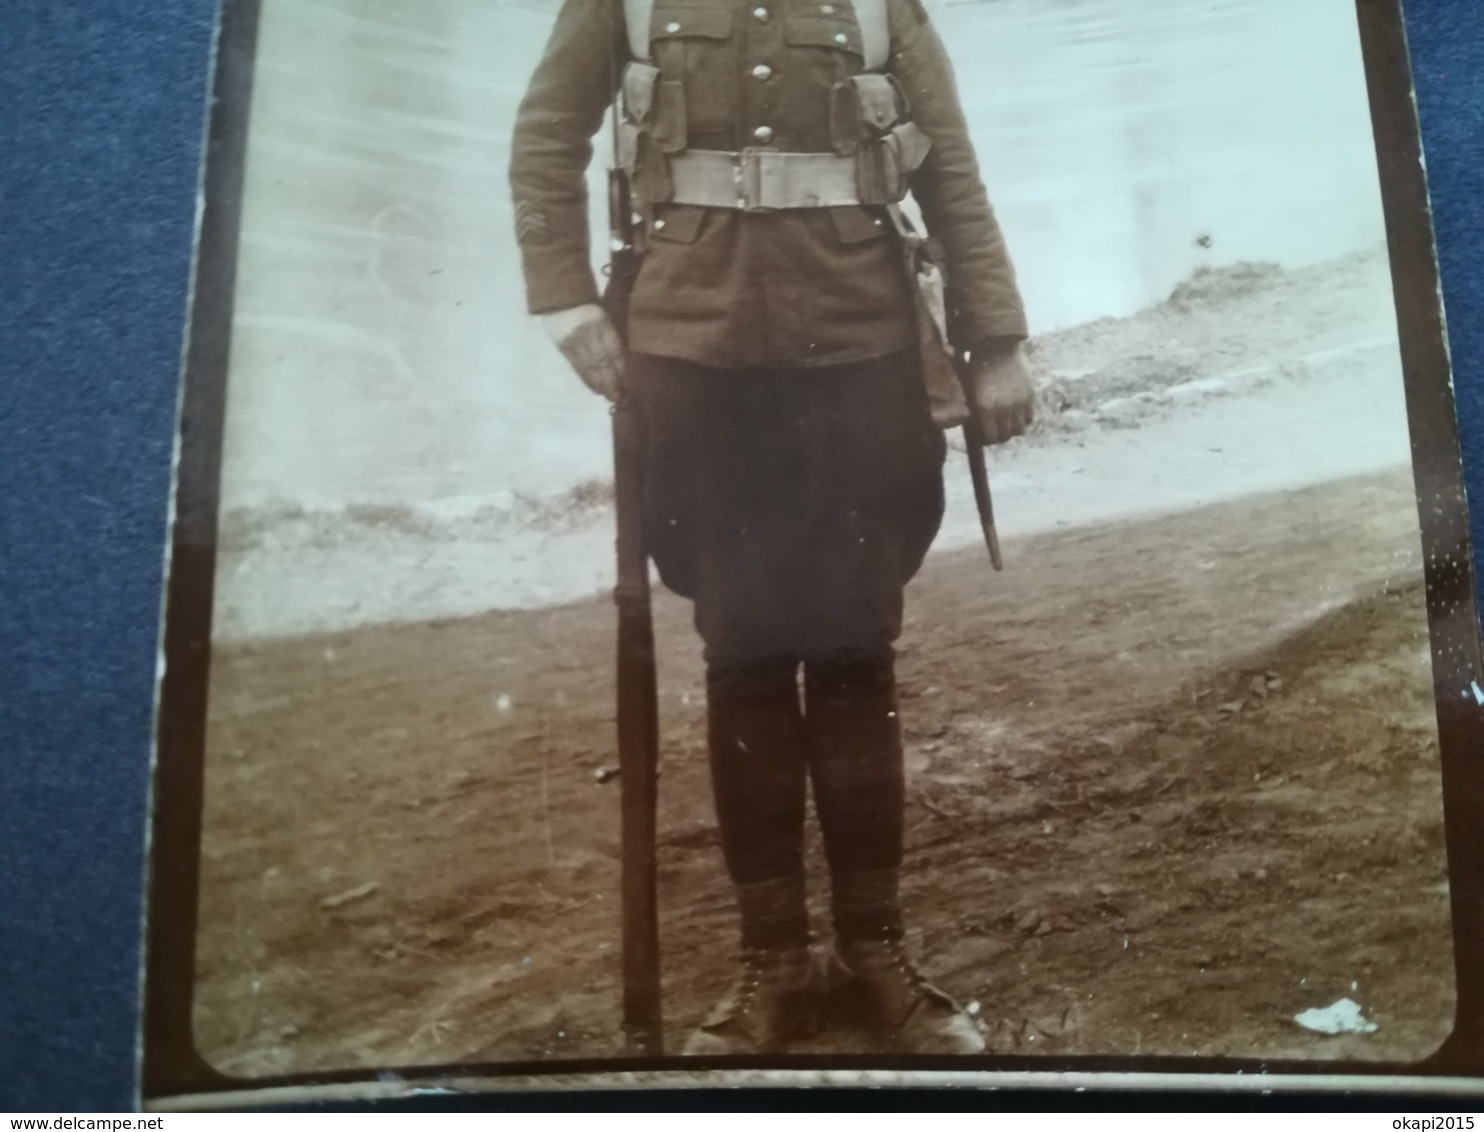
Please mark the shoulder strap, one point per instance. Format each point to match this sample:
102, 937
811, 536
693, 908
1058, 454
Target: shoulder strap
875, 31
636, 14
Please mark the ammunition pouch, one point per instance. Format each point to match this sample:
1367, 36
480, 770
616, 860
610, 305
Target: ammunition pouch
869, 119
884, 165
864, 108
652, 119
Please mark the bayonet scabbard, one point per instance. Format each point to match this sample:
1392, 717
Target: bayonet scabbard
979, 473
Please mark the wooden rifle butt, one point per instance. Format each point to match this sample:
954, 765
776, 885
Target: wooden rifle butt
638, 745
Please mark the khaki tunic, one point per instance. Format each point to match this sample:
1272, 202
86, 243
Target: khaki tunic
722, 287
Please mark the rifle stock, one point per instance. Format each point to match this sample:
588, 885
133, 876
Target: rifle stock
638, 712
638, 745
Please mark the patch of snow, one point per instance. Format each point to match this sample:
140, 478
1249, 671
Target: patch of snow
1342, 1017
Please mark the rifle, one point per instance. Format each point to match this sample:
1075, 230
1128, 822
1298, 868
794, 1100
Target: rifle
638, 710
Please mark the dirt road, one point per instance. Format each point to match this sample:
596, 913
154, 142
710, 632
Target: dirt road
1172, 782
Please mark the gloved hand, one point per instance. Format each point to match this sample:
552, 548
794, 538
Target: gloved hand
590, 344
1003, 396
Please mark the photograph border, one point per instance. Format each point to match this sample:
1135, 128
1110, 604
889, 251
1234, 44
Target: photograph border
171, 1067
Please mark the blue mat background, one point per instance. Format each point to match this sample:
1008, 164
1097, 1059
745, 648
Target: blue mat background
101, 113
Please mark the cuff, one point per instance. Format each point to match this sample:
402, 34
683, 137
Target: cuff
547, 292
994, 321
995, 345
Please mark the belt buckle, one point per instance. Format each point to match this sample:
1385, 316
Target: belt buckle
753, 181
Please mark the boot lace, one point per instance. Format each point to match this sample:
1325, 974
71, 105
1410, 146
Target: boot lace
745, 991
903, 962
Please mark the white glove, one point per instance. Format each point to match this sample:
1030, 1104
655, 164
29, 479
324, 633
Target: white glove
590, 344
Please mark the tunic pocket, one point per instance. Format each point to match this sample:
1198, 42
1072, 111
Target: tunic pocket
693, 45
855, 225
678, 223
677, 21
836, 32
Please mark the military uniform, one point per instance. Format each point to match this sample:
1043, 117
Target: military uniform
793, 470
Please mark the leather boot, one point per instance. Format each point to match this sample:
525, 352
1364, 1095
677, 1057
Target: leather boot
876, 982
775, 997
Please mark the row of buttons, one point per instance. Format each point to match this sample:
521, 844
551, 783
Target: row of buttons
762, 15
762, 72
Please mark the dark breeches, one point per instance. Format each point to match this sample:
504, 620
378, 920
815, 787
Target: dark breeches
793, 506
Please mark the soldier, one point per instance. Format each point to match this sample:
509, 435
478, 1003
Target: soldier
793, 465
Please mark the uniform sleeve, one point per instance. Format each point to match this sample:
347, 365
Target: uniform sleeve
551, 148
948, 188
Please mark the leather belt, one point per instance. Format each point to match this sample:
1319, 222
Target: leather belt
758, 179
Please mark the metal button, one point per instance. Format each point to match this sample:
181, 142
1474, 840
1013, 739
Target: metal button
636, 217
841, 38
761, 14
827, 9
673, 26
763, 134
762, 72
659, 225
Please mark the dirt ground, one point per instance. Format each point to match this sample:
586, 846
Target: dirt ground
1172, 781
